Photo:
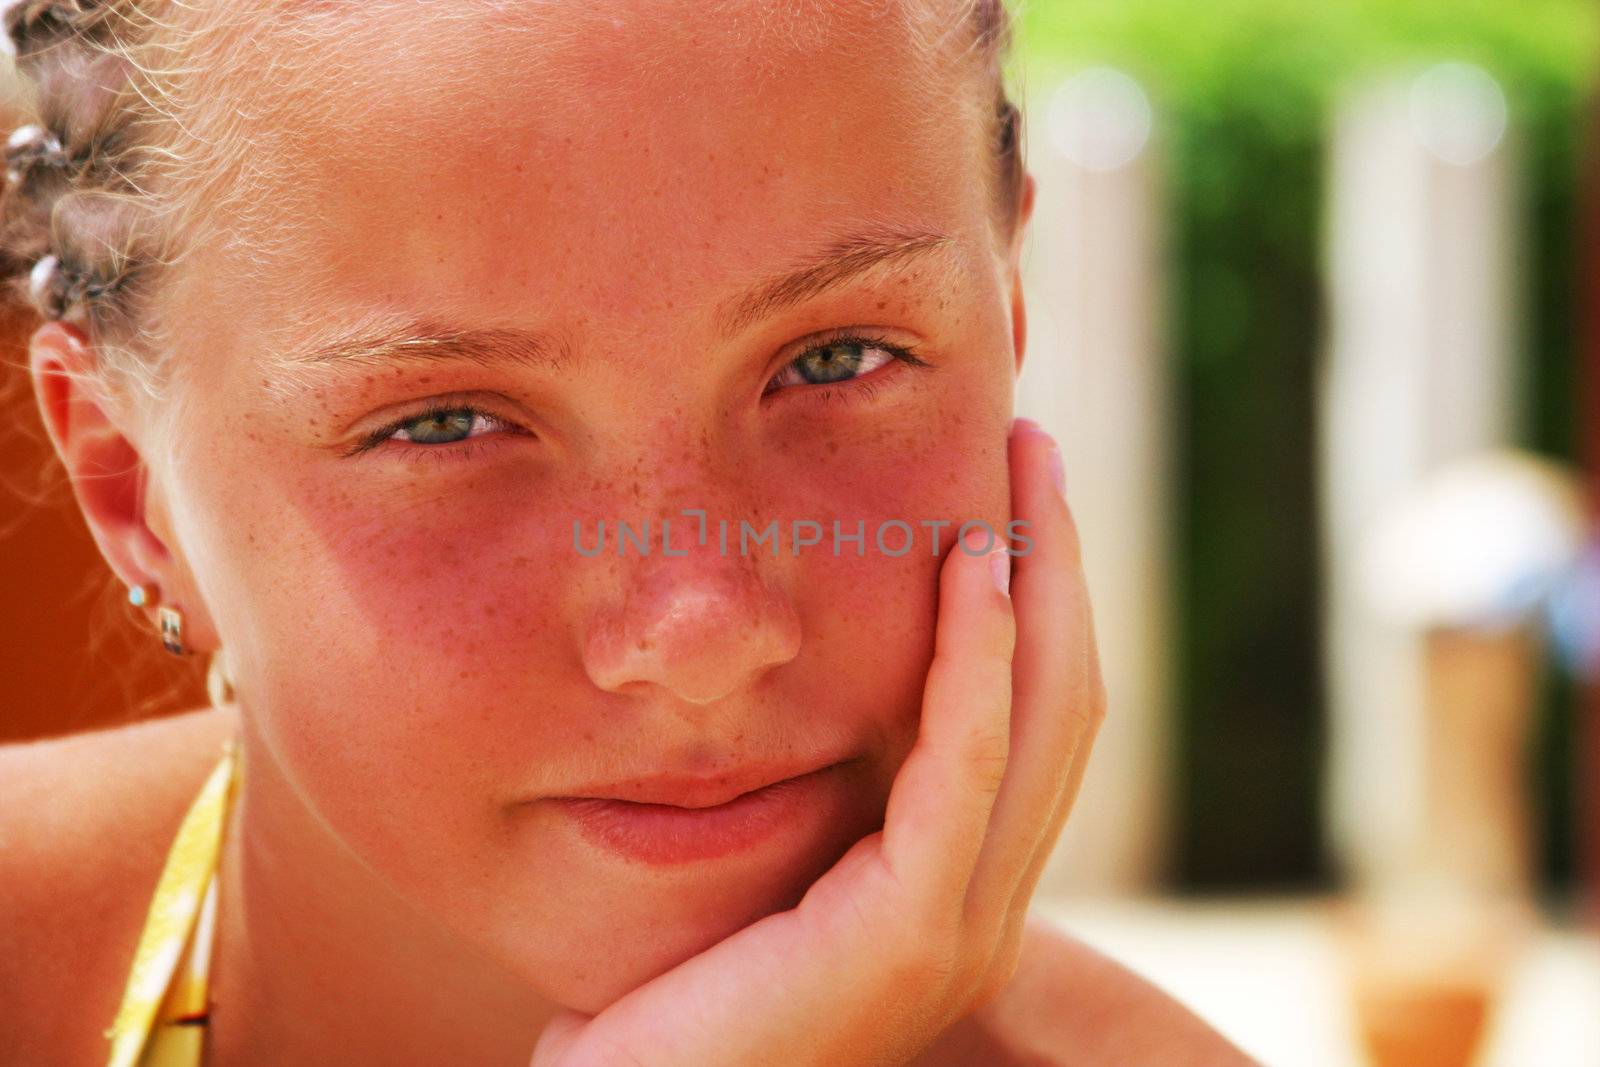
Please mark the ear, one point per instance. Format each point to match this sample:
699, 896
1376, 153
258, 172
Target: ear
1019, 313
125, 513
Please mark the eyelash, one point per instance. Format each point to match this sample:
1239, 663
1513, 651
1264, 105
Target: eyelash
863, 387
436, 409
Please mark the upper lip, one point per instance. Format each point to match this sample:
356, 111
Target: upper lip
688, 790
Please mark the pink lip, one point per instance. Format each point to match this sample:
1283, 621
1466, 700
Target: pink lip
706, 818
696, 790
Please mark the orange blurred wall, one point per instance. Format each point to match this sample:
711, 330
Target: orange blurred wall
75, 653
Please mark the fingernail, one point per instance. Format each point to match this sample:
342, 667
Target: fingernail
1058, 470
1023, 424
1000, 568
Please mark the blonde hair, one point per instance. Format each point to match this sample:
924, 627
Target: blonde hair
87, 223
134, 147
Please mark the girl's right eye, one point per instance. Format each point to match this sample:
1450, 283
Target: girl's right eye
435, 428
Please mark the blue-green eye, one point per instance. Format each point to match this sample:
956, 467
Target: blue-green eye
437, 430
838, 360
442, 426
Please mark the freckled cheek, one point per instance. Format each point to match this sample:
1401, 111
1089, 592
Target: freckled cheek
454, 576
437, 585
941, 461
438, 657
872, 608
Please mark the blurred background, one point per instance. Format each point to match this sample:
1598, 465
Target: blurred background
1311, 301
1311, 309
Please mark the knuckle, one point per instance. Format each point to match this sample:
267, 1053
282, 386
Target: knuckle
985, 759
1091, 707
1098, 705
992, 674
1095, 708
1071, 537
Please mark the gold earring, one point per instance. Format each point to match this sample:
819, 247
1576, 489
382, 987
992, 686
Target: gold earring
171, 629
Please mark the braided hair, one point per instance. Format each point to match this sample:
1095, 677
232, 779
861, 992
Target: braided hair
69, 234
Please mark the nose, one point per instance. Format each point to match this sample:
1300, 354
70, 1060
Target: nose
700, 626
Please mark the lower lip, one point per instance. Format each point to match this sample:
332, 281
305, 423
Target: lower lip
664, 833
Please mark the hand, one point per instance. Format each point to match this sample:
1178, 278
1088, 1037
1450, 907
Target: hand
922, 922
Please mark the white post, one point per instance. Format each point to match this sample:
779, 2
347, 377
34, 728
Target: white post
1095, 376
1419, 372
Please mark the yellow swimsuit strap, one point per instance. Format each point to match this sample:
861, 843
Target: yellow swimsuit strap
161, 1022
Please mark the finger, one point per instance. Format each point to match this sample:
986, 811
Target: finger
1097, 705
1054, 710
940, 802
1072, 784
1008, 945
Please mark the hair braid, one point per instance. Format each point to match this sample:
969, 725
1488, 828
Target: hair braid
71, 236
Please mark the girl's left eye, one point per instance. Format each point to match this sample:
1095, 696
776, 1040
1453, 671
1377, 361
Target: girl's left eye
839, 360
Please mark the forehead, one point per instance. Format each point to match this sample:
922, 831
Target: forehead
621, 157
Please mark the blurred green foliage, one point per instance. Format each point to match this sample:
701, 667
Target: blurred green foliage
1244, 90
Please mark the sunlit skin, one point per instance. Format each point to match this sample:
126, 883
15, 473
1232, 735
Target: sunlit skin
418, 628
421, 654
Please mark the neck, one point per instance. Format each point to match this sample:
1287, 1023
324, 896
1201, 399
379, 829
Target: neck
317, 961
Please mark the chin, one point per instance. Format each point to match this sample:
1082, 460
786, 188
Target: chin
588, 907
606, 928
615, 950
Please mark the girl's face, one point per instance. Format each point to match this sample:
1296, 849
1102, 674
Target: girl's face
625, 240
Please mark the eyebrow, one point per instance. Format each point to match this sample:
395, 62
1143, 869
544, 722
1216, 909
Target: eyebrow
839, 261
423, 339
414, 340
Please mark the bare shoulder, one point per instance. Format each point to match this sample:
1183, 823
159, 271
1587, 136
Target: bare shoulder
1070, 1005
85, 823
